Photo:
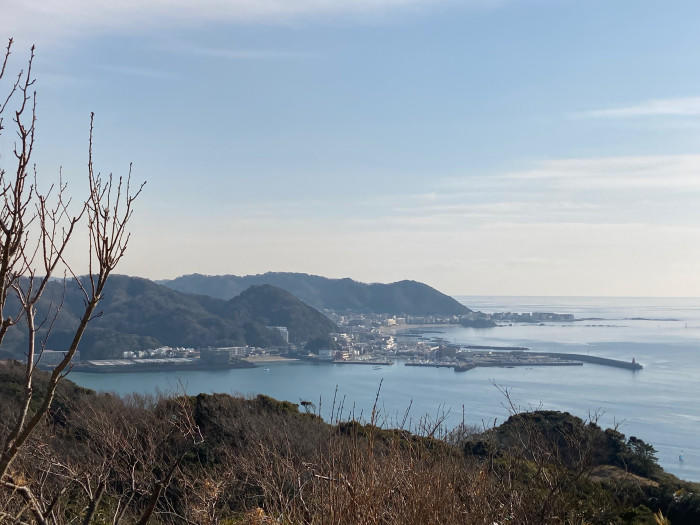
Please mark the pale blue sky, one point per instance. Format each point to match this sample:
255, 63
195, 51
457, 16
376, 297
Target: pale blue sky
485, 147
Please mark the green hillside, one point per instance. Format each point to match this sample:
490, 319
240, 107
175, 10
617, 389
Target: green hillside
138, 313
341, 295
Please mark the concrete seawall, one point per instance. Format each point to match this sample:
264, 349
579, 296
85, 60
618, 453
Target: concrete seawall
628, 365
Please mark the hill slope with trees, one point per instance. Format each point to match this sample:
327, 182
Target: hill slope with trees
138, 313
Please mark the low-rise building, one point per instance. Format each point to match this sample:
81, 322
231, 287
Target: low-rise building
216, 356
283, 331
327, 354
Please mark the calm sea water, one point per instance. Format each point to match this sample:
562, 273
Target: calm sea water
659, 404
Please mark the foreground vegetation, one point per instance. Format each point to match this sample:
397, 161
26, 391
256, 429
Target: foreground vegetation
209, 459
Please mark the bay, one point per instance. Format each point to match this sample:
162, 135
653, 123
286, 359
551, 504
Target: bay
658, 404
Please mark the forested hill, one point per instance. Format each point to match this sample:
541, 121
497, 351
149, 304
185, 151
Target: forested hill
138, 314
340, 295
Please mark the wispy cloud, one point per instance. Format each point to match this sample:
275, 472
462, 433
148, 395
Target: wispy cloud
59, 80
136, 71
245, 54
654, 172
678, 107
597, 190
39, 19
607, 190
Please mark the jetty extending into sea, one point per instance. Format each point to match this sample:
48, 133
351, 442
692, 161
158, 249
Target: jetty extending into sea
469, 360
585, 358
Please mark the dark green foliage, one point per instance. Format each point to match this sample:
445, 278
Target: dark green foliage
640, 457
478, 322
139, 314
640, 515
273, 306
403, 297
12, 391
232, 424
319, 343
568, 435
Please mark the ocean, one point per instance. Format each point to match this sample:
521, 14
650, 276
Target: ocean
658, 404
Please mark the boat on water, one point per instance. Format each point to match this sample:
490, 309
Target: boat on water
376, 368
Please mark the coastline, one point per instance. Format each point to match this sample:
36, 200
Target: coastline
396, 329
269, 359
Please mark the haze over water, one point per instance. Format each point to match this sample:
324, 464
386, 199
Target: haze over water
656, 404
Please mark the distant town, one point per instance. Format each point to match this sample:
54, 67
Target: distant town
362, 339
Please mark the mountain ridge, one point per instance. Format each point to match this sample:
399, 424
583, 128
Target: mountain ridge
341, 295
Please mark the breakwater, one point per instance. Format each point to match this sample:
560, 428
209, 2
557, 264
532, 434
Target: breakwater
585, 358
431, 364
501, 348
376, 362
500, 360
527, 359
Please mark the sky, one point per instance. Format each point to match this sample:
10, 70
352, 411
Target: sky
485, 147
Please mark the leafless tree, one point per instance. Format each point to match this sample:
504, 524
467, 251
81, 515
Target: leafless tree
35, 229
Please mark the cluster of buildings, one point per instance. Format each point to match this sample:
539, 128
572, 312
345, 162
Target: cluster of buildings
170, 358
532, 317
156, 358
362, 338
348, 320
160, 352
226, 354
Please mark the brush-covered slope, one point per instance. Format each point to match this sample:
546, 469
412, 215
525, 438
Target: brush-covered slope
138, 313
341, 295
257, 460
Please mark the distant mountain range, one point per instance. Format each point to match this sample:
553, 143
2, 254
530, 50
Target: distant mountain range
139, 314
340, 295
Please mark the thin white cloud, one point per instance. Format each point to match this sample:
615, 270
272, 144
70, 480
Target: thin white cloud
246, 54
535, 231
135, 71
39, 19
671, 107
655, 172
608, 190
57, 79
613, 190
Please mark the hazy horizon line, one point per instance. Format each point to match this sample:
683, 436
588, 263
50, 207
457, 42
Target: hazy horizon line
453, 295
